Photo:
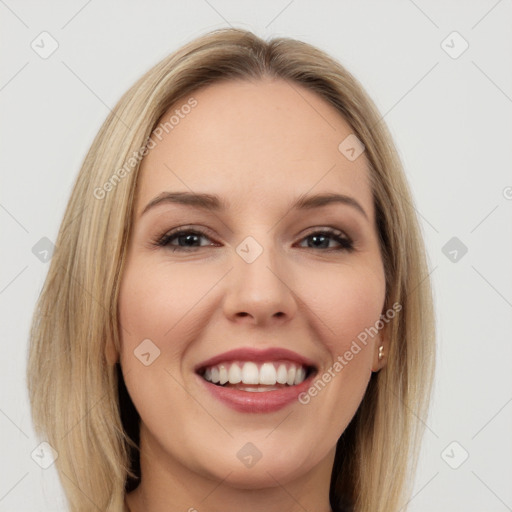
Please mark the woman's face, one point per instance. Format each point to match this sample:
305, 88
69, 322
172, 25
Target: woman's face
254, 288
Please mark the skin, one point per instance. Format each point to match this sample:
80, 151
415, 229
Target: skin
258, 145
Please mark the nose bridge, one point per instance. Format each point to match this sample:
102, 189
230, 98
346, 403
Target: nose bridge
258, 282
254, 261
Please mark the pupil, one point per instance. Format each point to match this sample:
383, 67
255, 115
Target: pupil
316, 237
188, 238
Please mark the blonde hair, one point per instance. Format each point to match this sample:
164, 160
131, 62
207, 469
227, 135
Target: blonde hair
75, 391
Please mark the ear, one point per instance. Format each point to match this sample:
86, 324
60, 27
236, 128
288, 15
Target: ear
111, 353
381, 346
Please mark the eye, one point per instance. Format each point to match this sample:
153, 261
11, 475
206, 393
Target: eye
190, 239
320, 240
186, 239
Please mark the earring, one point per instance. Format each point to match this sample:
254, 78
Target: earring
381, 352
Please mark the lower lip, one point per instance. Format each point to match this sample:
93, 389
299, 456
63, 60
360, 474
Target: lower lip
257, 401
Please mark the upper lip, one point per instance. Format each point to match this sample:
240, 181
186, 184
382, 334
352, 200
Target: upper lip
256, 355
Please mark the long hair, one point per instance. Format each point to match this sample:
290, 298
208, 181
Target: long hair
78, 399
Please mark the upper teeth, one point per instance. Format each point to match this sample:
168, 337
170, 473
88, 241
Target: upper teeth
256, 373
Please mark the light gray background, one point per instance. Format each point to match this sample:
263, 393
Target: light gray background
450, 117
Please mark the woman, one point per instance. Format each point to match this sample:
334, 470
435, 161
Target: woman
238, 311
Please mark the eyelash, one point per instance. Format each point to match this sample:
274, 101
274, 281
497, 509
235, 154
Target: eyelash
346, 243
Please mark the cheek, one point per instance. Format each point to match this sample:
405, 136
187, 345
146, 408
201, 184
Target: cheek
348, 305
148, 314
154, 301
152, 307
160, 311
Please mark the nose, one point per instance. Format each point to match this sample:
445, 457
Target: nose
260, 292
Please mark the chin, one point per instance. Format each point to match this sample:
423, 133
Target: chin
252, 468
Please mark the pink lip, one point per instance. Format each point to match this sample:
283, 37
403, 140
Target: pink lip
257, 402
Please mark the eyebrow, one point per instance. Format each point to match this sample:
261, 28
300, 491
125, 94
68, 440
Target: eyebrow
214, 203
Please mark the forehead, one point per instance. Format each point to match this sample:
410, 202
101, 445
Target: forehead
253, 143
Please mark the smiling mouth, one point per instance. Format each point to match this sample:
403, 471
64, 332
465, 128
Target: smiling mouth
256, 377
